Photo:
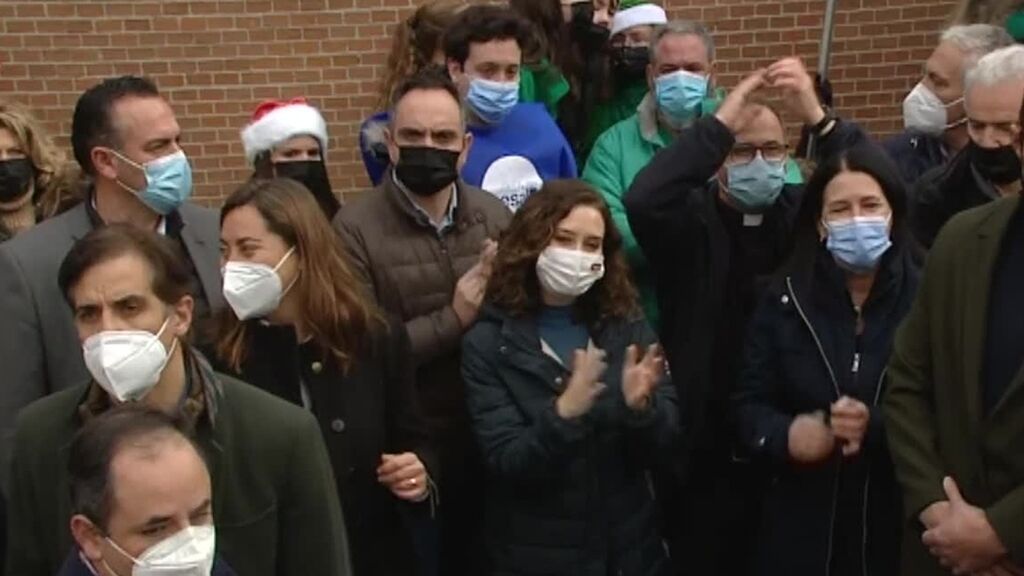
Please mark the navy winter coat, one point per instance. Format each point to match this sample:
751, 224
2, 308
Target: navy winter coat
565, 497
801, 355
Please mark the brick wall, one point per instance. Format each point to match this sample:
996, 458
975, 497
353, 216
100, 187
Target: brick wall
215, 59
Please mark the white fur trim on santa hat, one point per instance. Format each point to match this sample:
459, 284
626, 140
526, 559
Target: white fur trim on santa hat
283, 123
651, 14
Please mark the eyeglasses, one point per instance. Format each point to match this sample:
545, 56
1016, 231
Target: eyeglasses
745, 153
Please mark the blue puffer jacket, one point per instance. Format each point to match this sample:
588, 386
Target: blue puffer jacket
565, 498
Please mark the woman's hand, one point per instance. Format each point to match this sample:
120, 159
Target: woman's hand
810, 439
850, 424
641, 375
578, 398
404, 474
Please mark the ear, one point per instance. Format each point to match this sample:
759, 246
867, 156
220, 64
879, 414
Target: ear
455, 70
389, 140
104, 162
467, 143
182, 312
88, 537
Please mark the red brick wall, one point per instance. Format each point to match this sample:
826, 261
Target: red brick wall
215, 59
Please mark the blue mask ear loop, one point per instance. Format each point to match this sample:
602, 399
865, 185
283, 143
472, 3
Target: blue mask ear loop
134, 164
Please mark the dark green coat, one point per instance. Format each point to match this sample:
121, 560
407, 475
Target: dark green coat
933, 407
274, 500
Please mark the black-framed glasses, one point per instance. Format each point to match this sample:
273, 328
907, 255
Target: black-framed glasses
745, 153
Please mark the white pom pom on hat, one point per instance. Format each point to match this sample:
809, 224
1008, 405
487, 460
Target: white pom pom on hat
275, 121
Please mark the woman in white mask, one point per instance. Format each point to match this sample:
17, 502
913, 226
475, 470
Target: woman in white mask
567, 396
300, 326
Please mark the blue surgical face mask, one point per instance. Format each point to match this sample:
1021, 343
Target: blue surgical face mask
680, 94
168, 182
755, 186
857, 244
492, 101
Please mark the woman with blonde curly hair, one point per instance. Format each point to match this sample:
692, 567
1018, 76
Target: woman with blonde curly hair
417, 44
36, 182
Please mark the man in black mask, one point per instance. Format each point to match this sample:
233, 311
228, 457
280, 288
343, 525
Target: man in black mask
990, 165
423, 242
289, 139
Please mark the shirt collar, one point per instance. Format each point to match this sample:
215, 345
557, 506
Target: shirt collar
198, 400
169, 225
449, 217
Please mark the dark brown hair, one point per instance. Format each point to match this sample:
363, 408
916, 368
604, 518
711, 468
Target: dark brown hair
513, 285
96, 445
333, 304
170, 273
483, 23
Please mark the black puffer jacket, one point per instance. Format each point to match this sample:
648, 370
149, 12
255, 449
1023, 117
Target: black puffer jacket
802, 353
565, 498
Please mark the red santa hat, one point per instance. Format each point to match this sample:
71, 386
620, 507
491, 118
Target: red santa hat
275, 121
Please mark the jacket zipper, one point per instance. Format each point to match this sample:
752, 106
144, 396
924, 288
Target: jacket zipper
835, 385
867, 486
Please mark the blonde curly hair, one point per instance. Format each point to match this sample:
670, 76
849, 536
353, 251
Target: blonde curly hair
56, 178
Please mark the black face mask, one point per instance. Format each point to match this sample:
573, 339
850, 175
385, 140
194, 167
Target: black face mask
425, 170
999, 166
313, 175
630, 62
584, 33
15, 177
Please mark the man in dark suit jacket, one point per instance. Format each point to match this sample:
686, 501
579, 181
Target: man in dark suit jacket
275, 506
955, 404
125, 137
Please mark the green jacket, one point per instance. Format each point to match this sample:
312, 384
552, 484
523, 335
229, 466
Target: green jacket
543, 83
275, 504
933, 411
607, 114
619, 154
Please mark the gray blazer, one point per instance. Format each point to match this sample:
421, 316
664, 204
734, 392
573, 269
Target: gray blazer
39, 348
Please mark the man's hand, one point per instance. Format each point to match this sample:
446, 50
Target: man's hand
810, 439
933, 515
469, 294
964, 541
730, 113
470, 289
797, 87
849, 423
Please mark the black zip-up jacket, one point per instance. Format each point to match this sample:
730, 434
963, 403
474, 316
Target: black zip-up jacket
802, 354
673, 212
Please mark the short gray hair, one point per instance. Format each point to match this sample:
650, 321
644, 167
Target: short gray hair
1003, 65
683, 28
976, 40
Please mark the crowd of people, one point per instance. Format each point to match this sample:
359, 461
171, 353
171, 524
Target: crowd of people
593, 319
